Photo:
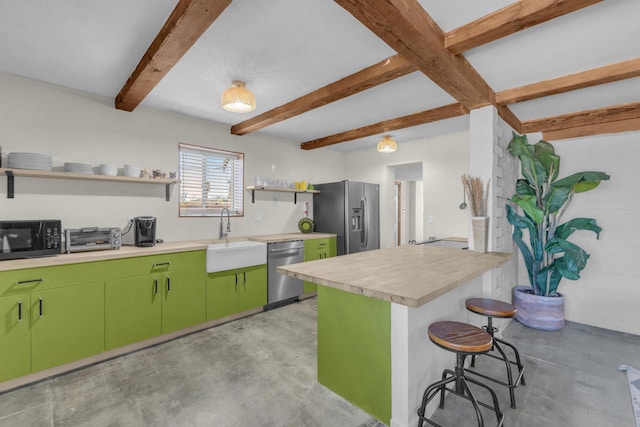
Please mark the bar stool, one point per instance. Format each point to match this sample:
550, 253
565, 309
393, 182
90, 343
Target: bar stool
499, 309
464, 340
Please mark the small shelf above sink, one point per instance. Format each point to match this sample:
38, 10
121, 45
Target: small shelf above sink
254, 188
228, 256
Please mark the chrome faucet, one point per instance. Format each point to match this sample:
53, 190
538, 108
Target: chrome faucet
221, 234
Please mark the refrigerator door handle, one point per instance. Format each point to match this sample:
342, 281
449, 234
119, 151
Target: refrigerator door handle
365, 222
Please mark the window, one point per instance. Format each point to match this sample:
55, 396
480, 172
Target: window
210, 180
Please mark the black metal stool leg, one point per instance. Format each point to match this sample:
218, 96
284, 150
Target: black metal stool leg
517, 355
512, 394
494, 397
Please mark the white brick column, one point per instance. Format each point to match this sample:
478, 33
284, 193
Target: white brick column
489, 137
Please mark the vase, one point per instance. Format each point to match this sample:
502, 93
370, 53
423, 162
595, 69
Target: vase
538, 312
480, 227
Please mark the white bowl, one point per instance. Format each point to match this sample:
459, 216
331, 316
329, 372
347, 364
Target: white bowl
108, 169
132, 171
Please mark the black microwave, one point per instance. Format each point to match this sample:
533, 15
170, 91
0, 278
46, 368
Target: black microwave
30, 239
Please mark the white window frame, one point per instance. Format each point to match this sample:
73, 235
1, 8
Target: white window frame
199, 168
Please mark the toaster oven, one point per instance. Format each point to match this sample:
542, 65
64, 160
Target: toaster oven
91, 239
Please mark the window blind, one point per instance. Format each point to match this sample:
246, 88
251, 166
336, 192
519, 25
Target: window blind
210, 180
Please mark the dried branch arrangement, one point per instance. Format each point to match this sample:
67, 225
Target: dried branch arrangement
476, 193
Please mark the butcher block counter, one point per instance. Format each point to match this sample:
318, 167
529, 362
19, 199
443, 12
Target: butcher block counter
410, 275
160, 248
374, 309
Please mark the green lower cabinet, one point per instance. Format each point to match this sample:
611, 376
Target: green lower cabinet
315, 249
15, 337
234, 291
133, 310
183, 302
67, 324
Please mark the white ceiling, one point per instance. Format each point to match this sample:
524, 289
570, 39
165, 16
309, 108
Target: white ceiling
284, 49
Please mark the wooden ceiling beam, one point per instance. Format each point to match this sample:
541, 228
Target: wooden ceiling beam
507, 115
407, 28
617, 126
508, 20
440, 113
382, 72
583, 118
188, 21
596, 76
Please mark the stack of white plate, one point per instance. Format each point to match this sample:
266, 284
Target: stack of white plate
78, 168
34, 161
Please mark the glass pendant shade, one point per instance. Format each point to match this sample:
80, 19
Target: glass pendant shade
238, 99
387, 145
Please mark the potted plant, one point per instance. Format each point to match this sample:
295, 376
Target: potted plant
548, 255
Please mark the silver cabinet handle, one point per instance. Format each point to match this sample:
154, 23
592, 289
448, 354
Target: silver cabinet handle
155, 286
168, 283
236, 274
24, 282
40, 306
19, 311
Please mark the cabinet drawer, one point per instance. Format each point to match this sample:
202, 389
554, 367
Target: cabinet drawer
139, 266
26, 280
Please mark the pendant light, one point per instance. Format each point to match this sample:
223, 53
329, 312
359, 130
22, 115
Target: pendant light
238, 99
387, 145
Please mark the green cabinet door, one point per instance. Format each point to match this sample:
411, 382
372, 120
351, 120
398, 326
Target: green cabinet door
254, 288
67, 324
15, 345
132, 309
183, 299
315, 249
234, 291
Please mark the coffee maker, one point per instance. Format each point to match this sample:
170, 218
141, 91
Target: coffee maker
144, 231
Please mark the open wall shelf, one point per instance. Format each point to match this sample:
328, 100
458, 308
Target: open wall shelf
12, 173
295, 192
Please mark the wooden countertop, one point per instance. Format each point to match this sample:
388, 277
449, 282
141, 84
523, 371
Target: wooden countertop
410, 275
160, 248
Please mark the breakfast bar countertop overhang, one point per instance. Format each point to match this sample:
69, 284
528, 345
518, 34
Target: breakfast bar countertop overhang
409, 275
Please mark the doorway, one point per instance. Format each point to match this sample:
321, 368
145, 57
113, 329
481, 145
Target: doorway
398, 219
408, 197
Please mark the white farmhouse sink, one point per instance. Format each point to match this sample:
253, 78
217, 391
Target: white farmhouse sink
227, 256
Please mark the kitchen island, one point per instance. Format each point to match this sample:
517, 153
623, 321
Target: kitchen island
373, 312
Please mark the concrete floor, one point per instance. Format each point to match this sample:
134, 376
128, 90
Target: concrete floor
261, 371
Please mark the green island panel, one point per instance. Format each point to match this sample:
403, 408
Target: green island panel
354, 349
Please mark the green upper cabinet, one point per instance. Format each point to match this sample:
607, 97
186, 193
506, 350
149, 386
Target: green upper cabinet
234, 291
183, 299
67, 324
15, 341
315, 249
161, 294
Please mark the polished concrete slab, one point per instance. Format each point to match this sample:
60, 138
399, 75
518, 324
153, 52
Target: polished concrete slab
261, 371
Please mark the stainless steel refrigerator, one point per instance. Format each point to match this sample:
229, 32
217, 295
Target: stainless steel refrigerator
352, 211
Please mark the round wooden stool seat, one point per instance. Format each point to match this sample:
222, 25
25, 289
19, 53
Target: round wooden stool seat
491, 307
460, 337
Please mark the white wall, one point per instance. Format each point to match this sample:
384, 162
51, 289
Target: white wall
444, 160
78, 127
608, 294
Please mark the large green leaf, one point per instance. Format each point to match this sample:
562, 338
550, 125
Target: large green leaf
526, 253
568, 228
531, 168
582, 181
572, 262
529, 205
524, 189
544, 152
555, 199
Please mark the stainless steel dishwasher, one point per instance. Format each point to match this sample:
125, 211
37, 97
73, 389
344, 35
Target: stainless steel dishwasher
283, 289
